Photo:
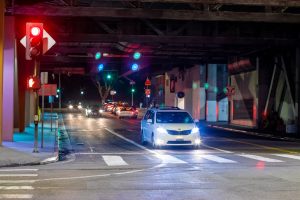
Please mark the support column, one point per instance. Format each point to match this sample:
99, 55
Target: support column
8, 79
211, 104
1, 63
297, 88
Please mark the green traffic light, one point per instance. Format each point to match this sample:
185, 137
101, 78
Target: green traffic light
137, 55
132, 90
58, 90
206, 85
97, 55
108, 76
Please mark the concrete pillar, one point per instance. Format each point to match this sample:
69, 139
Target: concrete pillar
8, 79
211, 104
1, 63
297, 88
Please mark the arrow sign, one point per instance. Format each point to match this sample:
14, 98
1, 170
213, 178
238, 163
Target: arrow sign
48, 41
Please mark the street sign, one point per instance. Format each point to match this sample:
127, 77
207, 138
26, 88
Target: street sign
147, 92
48, 41
147, 82
49, 90
44, 78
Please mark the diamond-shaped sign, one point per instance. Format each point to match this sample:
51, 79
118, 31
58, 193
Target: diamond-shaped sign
48, 41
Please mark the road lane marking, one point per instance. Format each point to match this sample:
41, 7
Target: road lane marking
260, 158
114, 160
17, 181
217, 159
16, 188
223, 151
15, 170
16, 196
288, 156
130, 141
109, 153
167, 159
18, 175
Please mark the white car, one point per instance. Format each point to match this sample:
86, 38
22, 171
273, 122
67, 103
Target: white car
129, 112
169, 127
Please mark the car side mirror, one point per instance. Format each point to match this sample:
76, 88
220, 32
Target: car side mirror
149, 121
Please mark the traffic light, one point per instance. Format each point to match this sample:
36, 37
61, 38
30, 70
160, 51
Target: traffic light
108, 76
34, 40
97, 55
132, 90
100, 67
206, 86
58, 90
134, 67
137, 55
33, 82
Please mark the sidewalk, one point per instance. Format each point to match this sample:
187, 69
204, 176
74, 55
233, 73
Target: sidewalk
20, 151
249, 131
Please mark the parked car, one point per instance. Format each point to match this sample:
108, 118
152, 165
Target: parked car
130, 112
93, 111
169, 127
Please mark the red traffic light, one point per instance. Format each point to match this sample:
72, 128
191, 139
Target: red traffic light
34, 83
35, 31
34, 40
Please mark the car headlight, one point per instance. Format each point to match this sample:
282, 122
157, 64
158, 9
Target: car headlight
161, 130
197, 141
100, 111
195, 130
80, 107
70, 106
89, 110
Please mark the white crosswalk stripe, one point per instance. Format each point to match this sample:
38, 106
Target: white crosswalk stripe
170, 159
288, 156
114, 160
17, 183
260, 158
217, 159
16, 196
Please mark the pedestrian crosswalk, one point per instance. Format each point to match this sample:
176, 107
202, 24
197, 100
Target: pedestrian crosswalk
201, 158
17, 183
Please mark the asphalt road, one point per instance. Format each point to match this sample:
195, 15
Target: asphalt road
109, 162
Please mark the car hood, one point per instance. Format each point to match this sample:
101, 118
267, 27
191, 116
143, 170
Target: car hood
177, 127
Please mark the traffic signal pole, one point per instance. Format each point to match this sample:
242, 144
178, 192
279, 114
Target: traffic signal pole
36, 109
2, 7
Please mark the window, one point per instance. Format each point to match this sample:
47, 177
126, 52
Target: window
173, 117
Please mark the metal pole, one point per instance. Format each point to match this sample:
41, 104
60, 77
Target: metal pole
36, 116
59, 86
131, 95
42, 117
51, 115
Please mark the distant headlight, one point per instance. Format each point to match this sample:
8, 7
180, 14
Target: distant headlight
70, 106
89, 110
100, 111
80, 107
195, 130
161, 130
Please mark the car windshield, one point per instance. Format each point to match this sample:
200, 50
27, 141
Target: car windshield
173, 117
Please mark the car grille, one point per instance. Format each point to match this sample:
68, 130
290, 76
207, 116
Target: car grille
179, 142
186, 132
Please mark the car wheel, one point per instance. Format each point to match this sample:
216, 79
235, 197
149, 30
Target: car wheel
143, 138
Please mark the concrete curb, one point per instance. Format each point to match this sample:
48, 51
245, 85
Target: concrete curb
265, 135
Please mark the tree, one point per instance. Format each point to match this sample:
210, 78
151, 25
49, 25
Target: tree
103, 86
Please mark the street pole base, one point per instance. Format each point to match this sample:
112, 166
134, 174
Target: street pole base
35, 151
